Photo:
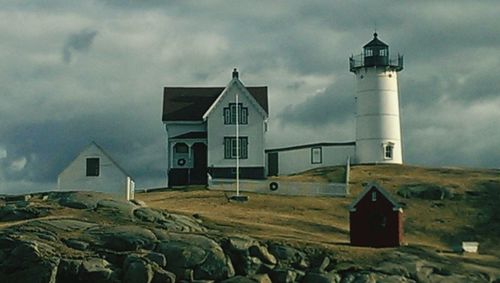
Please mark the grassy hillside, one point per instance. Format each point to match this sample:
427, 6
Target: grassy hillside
469, 212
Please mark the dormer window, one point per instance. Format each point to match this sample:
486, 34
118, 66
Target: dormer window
230, 114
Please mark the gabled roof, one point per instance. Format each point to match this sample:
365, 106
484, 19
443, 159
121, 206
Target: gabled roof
236, 83
369, 187
375, 42
94, 144
190, 103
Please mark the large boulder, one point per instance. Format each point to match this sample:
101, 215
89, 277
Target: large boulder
97, 270
196, 255
123, 238
425, 191
168, 221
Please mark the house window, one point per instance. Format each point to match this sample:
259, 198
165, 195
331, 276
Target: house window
368, 52
383, 52
316, 155
230, 151
230, 114
92, 167
388, 151
181, 148
374, 196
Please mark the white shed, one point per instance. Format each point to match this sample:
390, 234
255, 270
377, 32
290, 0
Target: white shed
94, 170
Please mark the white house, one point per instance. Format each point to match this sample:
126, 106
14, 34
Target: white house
201, 125
94, 170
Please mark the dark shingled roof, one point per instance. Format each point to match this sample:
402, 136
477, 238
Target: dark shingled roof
375, 42
190, 103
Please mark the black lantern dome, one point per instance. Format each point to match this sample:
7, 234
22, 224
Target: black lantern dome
375, 54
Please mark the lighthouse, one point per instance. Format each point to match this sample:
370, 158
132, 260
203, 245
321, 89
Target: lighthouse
378, 129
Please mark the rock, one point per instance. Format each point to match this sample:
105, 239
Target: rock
162, 276
283, 275
13, 212
170, 222
238, 279
288, 256
79, 200
76, 244
261, 278
42, 271
68, 270
361, 277
240, 244
180, 254
136, 270
97, 270
117, 208
11, 198
199, 253
322, 266
157, 258
425, 191
138, 202
67, 225
124, 238
263, 254
313, 277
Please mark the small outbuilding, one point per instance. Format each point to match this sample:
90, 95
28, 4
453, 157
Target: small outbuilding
376, 219
94, 170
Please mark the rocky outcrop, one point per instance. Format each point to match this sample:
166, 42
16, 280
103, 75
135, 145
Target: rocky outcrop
425, 191
91, 237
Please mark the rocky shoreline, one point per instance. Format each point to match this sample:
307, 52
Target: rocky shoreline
92, 237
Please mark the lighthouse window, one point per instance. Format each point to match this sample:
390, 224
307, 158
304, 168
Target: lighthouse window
388, 151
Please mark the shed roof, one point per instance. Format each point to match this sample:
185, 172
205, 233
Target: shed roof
190, 103
94, 144
369, 187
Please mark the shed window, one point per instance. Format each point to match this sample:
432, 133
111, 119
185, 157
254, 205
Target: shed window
92, 167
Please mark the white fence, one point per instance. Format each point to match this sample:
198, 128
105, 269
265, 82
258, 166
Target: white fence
280, 187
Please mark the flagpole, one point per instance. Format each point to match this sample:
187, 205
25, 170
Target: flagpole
237, 147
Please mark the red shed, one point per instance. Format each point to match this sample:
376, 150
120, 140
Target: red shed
376, 219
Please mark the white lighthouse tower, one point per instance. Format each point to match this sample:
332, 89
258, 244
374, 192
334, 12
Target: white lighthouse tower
378, 130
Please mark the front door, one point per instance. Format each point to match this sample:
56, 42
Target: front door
198, 174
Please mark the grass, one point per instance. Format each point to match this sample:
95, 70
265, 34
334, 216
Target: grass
473, 214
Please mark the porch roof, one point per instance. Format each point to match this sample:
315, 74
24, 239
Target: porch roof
191, 135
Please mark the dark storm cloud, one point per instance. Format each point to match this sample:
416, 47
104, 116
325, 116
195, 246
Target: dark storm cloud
449, 89
79, 42
335, 104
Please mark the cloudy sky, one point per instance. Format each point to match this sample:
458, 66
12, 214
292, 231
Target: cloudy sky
72, 72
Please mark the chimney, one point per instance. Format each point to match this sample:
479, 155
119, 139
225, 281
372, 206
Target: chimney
235, 73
